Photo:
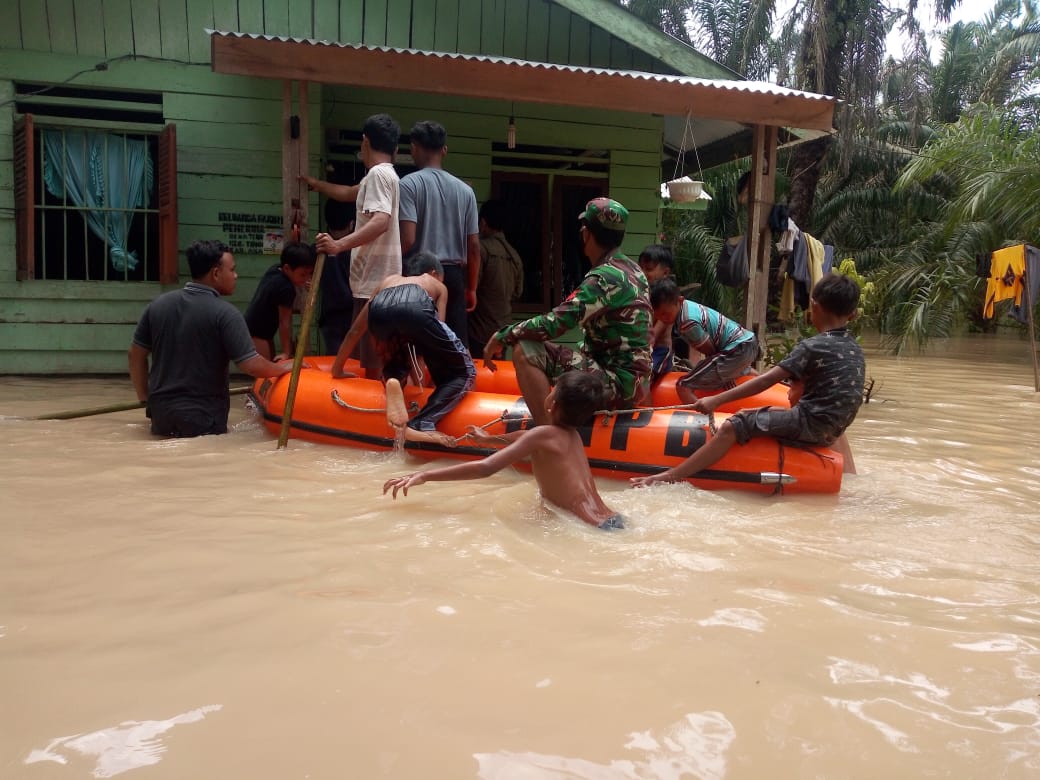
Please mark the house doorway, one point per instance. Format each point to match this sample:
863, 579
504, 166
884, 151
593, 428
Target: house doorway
542, 225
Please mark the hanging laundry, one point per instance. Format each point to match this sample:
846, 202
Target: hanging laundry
1020, 310
1007, 270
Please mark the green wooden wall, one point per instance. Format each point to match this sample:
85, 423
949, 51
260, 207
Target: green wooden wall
228, 127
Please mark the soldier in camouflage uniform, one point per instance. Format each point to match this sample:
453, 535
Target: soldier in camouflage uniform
612, 305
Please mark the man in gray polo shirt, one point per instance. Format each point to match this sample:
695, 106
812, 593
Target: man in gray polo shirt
439, 215
191, 334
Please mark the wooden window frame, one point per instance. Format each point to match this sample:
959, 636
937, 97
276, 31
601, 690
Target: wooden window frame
25, 187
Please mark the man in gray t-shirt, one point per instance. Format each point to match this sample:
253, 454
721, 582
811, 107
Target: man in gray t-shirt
191, 334
438, 214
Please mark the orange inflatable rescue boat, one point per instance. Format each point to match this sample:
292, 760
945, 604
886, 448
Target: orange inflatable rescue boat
624, 444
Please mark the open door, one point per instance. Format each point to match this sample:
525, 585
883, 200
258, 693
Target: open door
542, 225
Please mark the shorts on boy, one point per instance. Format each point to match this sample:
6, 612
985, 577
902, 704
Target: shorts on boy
720, 371
788, 425
403, 318
556, 359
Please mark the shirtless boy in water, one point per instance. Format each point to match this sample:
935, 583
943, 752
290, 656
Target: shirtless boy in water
408, 311
557, 455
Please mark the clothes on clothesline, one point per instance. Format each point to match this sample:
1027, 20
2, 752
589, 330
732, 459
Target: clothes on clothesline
809, 261
1031, 286
1007, 272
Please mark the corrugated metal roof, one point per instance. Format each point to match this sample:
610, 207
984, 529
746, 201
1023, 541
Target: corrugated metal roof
734, 85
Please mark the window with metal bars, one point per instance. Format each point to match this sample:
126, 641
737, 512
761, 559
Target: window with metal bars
95, 203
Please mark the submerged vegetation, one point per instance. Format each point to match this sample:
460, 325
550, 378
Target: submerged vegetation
936, 158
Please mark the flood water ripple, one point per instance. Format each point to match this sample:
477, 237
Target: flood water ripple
213, 608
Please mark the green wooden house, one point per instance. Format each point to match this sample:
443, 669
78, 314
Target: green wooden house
130, 128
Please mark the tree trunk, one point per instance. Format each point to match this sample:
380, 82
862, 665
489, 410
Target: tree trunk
806, 166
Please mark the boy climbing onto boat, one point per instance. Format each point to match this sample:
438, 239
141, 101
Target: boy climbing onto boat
270, 311
406, 314
728, 349
557, 455
828, 371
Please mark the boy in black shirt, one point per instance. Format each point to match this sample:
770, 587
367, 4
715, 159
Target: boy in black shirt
270, 311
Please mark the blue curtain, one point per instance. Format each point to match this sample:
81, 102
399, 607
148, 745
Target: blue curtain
97, 170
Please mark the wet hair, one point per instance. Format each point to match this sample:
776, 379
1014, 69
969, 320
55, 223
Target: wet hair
429, 135
837, 294
382, 133
657, 254
204, 255
494, 213
606, 238
664, 291
339, 215
579, 395
423, 263
296, 254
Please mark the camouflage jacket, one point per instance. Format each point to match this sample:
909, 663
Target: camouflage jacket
612, 305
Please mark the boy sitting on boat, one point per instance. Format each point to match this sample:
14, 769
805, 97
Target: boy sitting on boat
831, 370
557, 455
405, 317
728, 349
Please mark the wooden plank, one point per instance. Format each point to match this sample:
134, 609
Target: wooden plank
636, 199
483, 78
559, 41
276, 17
620, 54
424, 19
262, 138
209, 186
59, 337
599, 47
84, 311
173, 30
250, 16
11, 29
578, 47
31, 361
351, 17
446, 26
206, 213
375, 23
301, 20
119, 33
514, 43
145, 22
229, 162
469, 27
35, 35
492, 27
634, 176
90, 28
61, 22
399, 23
199, 18
537, 30
184, 106
225, 16
629, 157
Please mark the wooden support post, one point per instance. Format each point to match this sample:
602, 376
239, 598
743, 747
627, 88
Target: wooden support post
1030, 305
761, 194
295, 151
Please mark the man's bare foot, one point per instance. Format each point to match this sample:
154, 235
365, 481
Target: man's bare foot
433, 437
396, 410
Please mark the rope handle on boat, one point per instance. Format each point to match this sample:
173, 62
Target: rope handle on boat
412, 407
506, 415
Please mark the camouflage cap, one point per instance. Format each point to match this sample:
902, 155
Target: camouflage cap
606, 213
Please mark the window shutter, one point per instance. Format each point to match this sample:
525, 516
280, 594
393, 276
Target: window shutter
24, 195
168, 205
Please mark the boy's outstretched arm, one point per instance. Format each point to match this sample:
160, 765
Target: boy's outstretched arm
357, 330
757, 385
521, 448
285, 330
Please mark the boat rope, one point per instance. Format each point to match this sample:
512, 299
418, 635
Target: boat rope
412, 407
609, 413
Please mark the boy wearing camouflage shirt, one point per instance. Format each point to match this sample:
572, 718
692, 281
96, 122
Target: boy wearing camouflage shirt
612, 306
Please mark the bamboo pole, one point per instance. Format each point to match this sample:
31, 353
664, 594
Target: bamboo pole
301, 348
91, 411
